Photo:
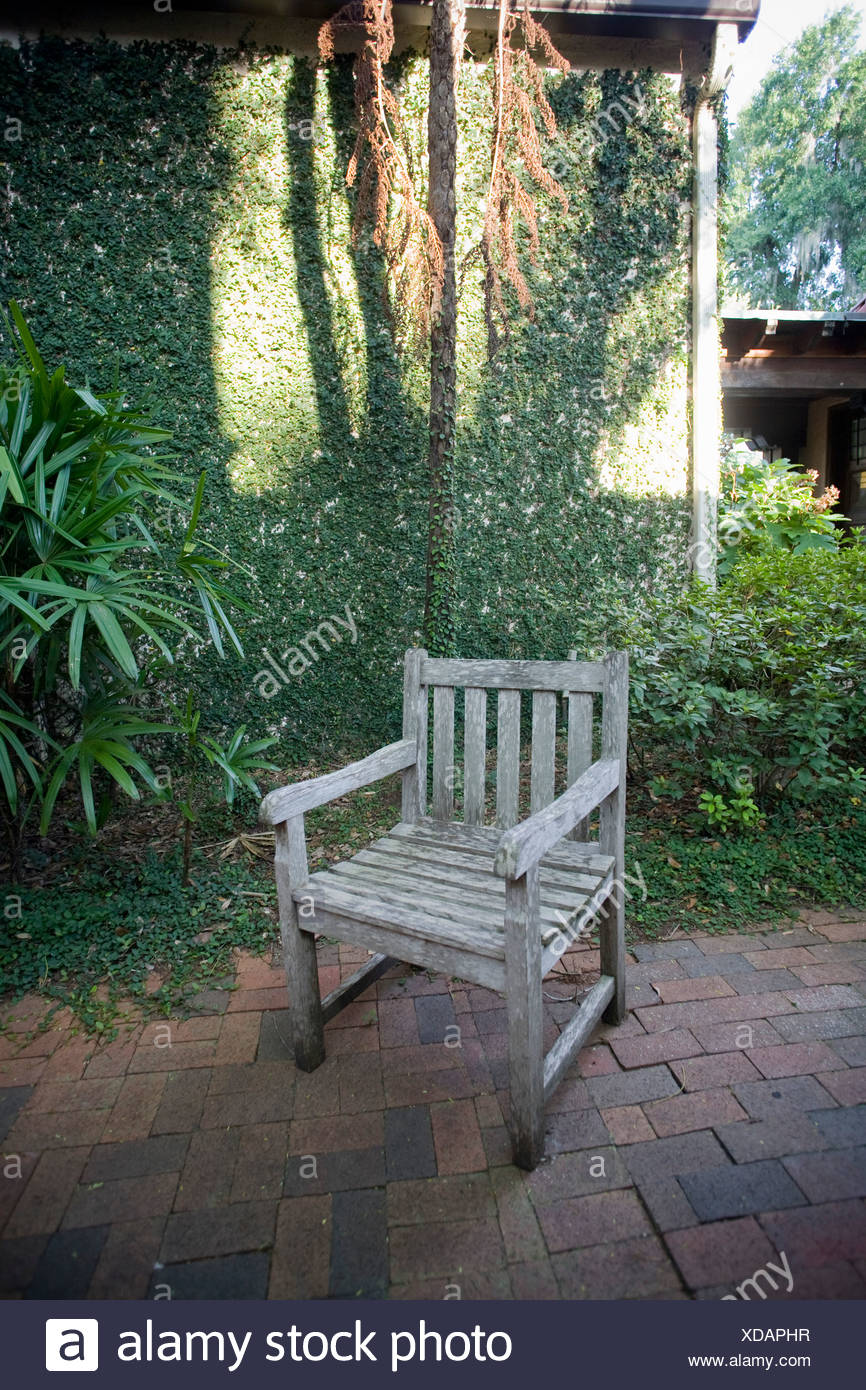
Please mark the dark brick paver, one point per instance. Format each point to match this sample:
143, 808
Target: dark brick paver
720, 1130
740, 1189
633, 1087
841, 1128
12, 1098
67, 1263
409, 1151
785, 1133
756, 981
843, 1173
231, 1276
835, 1023
724, 966
435, 1015
359, 1245
136, 1159
182, 1102
346, 1170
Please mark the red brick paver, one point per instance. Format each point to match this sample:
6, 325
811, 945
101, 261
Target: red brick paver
192, 1151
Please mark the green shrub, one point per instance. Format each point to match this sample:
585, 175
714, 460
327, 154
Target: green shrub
753, 693
767, 506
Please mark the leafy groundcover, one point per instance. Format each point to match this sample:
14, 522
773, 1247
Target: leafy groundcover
108, 930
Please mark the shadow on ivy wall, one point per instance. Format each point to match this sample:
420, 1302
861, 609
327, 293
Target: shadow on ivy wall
164, 215
109, 220
361, 500
328, 463
574, 453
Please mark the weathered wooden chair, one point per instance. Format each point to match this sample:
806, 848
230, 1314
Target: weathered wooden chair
496, 905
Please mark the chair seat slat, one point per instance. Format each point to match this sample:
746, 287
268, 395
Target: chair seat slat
484, 839
579, 875
462, 901
460, 898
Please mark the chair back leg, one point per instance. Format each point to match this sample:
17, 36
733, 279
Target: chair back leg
299, 948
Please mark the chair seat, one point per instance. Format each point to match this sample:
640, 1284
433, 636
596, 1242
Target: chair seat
433, 882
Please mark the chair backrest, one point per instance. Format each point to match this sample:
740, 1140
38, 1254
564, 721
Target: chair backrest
577, 682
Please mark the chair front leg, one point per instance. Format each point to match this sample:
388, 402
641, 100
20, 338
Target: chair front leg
525, 1022
299, 948
611, 837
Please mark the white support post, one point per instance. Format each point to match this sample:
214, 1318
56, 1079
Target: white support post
706, 366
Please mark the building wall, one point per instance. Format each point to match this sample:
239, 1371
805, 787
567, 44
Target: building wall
179, 213
815, 451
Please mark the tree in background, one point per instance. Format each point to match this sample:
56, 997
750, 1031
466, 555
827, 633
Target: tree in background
418, 245
797, 207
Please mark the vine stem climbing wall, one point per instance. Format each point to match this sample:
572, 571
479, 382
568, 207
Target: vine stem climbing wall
447, 37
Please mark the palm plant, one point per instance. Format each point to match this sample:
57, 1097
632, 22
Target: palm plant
237, 760
96, 593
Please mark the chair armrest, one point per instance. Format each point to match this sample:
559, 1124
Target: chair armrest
523, 845
286, 802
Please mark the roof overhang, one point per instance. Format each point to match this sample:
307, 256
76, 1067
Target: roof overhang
617, 18
666, 19
789, 352
676, 37
671, 20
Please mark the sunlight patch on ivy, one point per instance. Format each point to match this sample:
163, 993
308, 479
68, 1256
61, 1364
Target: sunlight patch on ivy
261, 343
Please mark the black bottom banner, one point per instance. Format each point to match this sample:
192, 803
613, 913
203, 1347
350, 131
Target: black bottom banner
426, 1344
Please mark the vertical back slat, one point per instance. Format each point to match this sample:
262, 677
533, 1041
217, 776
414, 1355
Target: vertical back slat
474, 755
507, 758
423, 711
579, 747
543, 749
443, 752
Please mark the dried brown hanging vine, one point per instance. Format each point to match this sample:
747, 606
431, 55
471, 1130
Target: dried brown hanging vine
518, 97
381, 164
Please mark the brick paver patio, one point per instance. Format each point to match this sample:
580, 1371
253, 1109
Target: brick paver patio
720, 1130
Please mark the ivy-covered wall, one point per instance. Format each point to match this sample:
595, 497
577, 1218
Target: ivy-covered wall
182, 212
